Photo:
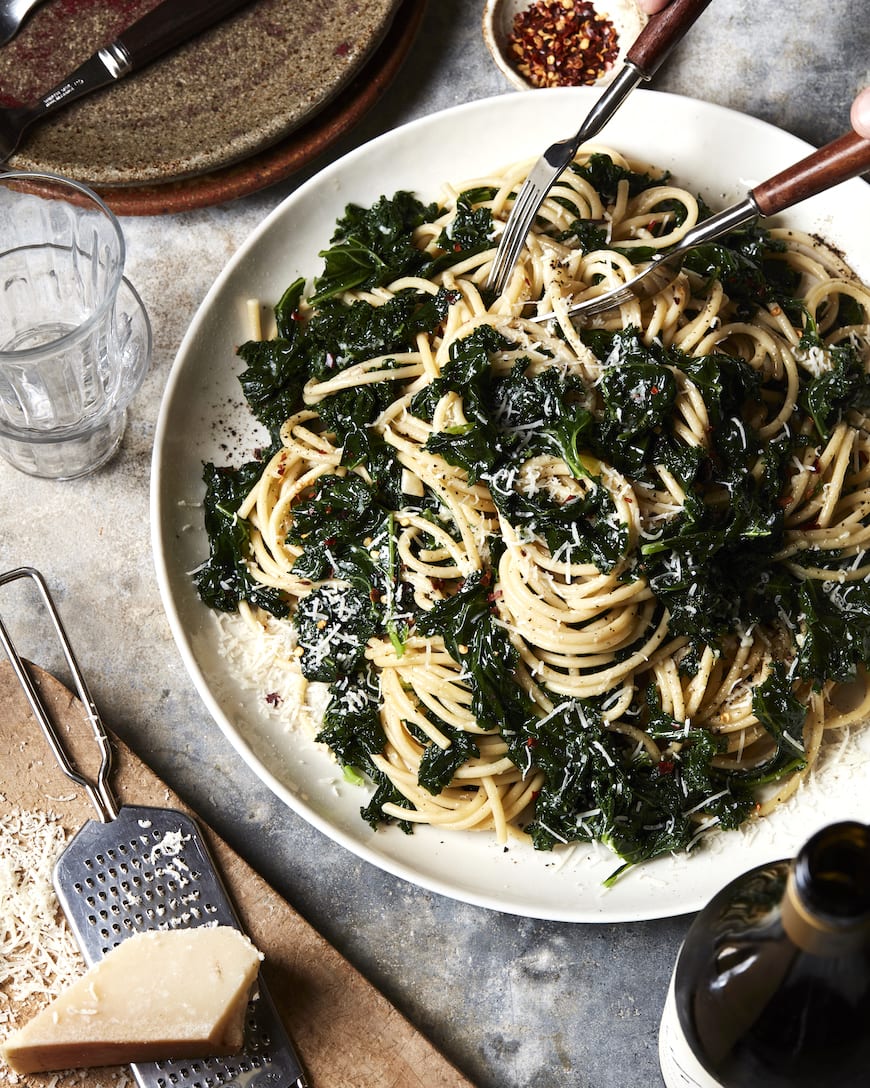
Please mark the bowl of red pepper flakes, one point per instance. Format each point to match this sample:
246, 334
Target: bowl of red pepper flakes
560, 43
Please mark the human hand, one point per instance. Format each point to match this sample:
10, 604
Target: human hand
860, 114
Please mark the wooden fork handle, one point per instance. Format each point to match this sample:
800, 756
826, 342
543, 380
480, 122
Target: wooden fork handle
662, 32
844, 158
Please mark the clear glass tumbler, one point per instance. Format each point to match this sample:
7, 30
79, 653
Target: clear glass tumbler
75, 341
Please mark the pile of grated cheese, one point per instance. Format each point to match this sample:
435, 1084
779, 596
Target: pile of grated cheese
38, 955
263, 659
37, 951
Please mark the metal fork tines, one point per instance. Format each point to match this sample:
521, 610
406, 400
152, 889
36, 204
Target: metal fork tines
647, 52
842, 159
646, 284
664, 268
96, 72
547, 170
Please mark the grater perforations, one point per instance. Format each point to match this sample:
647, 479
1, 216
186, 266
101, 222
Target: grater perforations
154, 879
157, 879
141, 868
244, 1067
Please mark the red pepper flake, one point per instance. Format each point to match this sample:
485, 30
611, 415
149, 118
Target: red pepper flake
342, 50
665, 766
273, 698
562, 43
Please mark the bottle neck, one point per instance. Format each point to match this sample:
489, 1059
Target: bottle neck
826, 906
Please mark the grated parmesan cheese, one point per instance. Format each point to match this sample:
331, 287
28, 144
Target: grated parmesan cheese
38, 955
815, 359
263, 659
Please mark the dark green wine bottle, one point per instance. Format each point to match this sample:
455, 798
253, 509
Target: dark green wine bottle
772, 985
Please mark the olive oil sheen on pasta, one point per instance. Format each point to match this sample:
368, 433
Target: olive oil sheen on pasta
772, 986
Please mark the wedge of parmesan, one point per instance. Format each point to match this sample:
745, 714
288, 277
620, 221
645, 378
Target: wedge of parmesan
158, 995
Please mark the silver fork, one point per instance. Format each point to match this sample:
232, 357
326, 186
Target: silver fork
846, 157
12, 15
162, 28
642, 61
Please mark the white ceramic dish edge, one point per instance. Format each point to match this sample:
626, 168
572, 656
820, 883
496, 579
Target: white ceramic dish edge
203, 406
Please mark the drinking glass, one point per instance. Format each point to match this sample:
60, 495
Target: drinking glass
75, 340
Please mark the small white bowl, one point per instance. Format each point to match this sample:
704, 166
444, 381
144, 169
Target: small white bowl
498, 21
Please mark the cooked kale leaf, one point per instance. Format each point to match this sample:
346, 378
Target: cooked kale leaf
223, 580
837, 637
438, 765
710, 561
474, 638
373, 246
599, 788
351, 723
604, 175
333, 625
844, 385
782, 715
276, 369
332, 526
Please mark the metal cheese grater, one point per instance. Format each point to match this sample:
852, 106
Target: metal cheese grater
142, 868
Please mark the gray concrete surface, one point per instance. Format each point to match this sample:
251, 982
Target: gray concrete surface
515, 1003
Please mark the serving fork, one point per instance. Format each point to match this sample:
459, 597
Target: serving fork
651, 47
842, 159
163, 28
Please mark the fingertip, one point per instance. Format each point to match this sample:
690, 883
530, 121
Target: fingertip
860, 113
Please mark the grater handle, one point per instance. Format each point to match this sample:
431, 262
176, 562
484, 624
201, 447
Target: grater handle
97, 789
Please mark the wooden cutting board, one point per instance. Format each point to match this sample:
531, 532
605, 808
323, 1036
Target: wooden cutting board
346, 1032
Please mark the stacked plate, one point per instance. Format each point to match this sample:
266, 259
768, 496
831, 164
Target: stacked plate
240, 107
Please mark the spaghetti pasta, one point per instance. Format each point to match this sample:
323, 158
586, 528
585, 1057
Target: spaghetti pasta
602, 583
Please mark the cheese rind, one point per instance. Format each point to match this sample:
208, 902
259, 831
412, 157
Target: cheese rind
158, 995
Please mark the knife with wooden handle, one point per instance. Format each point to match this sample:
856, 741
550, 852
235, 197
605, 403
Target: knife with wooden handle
165, 27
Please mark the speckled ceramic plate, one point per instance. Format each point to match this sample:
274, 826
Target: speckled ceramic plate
224, 96
292, 152
715, 152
